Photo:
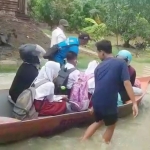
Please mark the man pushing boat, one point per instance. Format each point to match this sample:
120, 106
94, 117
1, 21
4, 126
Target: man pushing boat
110, 77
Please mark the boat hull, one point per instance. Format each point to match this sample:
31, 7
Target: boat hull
15, 131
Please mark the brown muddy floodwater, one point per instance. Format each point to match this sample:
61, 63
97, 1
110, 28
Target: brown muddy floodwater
130, 134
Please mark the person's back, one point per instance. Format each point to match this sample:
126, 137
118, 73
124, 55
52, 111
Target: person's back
71, 44
28, 71
108, 79
22, 80
58, 34
65, 48
68, 74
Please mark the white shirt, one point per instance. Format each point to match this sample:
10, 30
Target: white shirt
57, 36
73, 76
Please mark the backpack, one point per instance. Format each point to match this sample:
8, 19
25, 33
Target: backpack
24, 106
52, 51
79, 94
62, 79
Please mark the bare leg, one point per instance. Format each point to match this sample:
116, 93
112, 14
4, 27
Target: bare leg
109, 133
91, 130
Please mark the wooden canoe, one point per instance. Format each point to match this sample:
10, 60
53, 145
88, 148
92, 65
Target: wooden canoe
17, 130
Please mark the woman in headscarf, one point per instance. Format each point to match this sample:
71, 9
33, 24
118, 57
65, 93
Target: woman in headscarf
91, 82
28, 71
127, 56
90, 71
46, 103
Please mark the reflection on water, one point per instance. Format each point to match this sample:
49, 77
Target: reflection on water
130, 134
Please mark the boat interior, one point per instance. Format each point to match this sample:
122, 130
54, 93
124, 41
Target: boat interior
6, 107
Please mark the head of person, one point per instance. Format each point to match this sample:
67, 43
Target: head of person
49, 71
63, 24
83, 38
125, 55
31, 53
72, 58
104, 49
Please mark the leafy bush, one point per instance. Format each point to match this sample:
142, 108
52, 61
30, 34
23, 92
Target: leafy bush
97, 30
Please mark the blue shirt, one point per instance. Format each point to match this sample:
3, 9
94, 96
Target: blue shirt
109, 78
61, 55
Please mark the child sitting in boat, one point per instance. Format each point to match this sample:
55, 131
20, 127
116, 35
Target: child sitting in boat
46, 103
28, 70
127, 56
90, 71
68, 75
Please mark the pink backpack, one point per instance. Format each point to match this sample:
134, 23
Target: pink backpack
137, 83
79, 94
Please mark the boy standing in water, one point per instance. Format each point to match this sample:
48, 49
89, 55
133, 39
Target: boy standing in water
110, 75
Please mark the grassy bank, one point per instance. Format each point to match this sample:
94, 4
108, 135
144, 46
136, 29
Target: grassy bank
83, 61
8, 68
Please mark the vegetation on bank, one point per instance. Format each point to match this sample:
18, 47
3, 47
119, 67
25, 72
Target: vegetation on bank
121, 18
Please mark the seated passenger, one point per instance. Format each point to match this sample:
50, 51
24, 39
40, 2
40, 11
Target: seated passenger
68, 75
46, 103
127, 56
28, 70
90, 72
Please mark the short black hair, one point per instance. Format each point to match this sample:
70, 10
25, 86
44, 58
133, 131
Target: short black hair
105, 46
84, 36
71, 56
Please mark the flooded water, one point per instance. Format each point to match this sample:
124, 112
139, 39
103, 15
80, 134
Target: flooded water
130, 134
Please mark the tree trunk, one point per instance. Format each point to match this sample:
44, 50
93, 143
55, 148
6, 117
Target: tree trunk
126, 43
117, 39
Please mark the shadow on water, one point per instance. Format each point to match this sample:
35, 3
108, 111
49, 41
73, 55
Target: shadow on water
130, 134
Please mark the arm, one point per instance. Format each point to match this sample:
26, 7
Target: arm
126, 80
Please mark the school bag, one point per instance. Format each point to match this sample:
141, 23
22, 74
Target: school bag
62, 79
24, 107
79, 98
52, 51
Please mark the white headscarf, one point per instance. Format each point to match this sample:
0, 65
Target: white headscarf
49, 71
91, 67
89, 71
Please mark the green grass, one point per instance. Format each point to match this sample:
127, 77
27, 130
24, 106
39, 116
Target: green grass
8, 68
84, 59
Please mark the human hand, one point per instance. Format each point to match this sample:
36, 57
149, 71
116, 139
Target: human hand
65, 98
135, 110
91, 111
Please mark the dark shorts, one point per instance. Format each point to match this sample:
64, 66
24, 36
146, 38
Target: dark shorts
109, 120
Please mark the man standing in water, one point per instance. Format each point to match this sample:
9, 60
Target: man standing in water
110, 76
58, 34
